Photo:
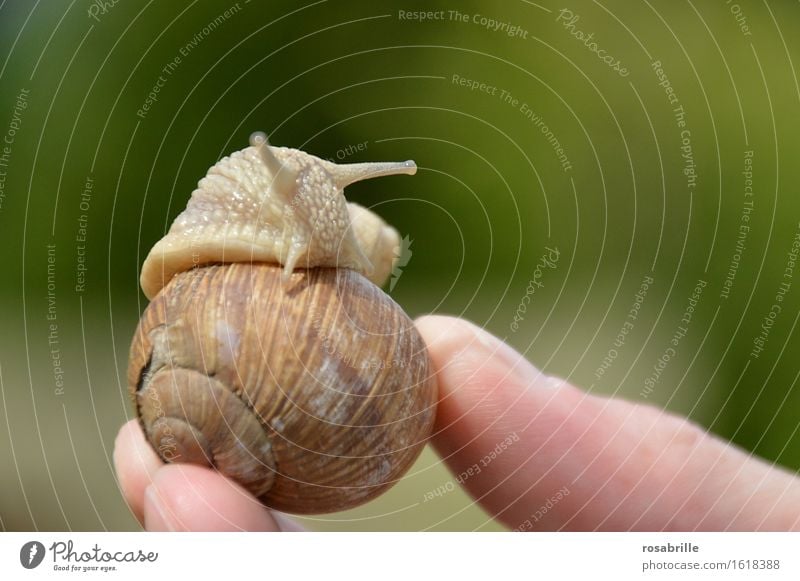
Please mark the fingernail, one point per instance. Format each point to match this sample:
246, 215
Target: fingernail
517, 364
156, 516
452, 336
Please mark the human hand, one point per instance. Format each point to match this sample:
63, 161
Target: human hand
611, 464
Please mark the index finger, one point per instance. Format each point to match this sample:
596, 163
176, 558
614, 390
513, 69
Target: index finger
538, 453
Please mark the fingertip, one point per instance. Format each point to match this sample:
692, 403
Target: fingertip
492, 398
136, 464
438, 328
482, 379
446, 336
450, 339
185, 497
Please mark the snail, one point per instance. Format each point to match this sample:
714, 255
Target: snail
268, 350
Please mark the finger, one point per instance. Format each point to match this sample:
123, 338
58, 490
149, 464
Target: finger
537, 453
136, 464
139, 471
184, 497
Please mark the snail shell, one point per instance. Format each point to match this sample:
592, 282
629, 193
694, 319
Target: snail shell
309, 387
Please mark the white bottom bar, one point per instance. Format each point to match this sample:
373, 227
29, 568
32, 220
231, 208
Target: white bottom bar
387, 556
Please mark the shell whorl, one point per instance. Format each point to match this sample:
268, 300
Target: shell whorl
281, 206
315, 397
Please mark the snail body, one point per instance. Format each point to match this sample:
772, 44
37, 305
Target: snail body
281, 206
272, 355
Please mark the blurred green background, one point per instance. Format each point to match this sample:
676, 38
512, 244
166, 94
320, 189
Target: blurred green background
490, 195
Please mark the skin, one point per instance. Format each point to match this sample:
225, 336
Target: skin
625, 466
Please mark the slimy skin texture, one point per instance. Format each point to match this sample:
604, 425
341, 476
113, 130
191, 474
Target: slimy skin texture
281, 206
